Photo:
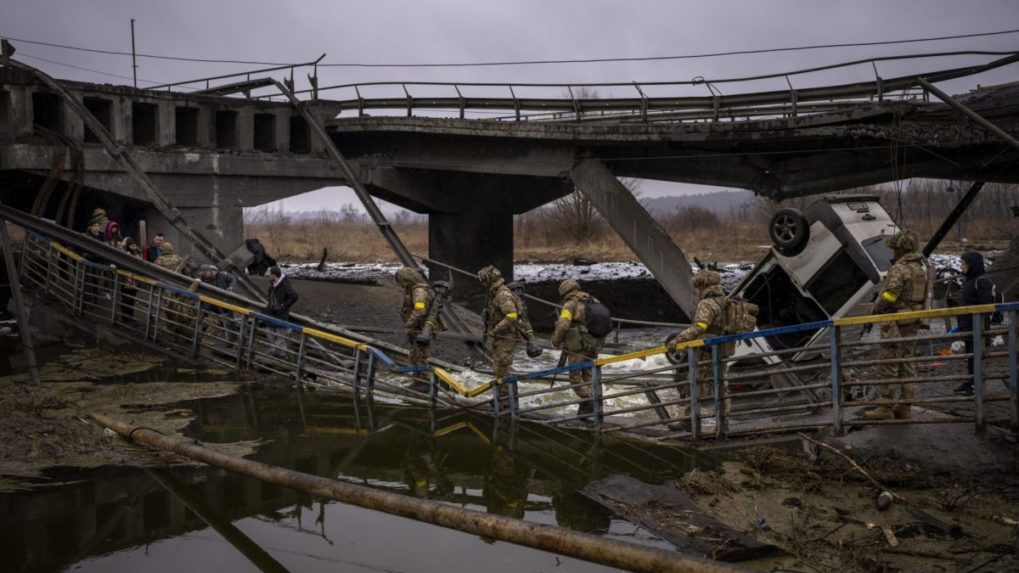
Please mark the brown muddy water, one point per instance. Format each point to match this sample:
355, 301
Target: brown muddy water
206, 519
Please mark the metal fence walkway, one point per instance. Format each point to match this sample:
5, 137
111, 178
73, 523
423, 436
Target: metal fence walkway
638, 393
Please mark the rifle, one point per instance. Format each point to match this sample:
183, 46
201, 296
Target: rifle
563, 356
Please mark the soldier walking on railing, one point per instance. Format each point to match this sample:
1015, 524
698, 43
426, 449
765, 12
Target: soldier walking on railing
904, 290
709, 320
579, 338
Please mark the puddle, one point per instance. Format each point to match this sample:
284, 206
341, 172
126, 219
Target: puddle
119, 519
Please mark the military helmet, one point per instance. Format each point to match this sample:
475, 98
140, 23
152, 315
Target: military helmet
568, 286
408, 276
903, 242
166, 248
705, 278
489, 275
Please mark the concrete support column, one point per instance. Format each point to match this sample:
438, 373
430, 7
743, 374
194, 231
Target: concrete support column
120, 118
166, 124
204, 131
245, 129
470, 241
642, 234
72, 126
282, 131
20, 102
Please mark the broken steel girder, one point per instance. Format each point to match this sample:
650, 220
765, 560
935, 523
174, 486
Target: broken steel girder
449, 317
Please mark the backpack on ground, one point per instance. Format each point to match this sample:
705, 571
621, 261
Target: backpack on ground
599, 319
996, 298
740, 315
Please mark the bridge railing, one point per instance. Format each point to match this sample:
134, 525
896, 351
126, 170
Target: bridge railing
634, 392
672, 100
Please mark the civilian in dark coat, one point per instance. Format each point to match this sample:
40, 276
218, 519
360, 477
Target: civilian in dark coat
282, 295
976, 289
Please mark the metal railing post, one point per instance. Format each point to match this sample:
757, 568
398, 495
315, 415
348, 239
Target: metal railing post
512, 399
357, 374
196, 333
49, 268
78, 302
157, 312
978, 370
695, 419
370, 375
299, 366
836, 386
241, 341
1013, 371
252, 340
716, 382
432, 391
115, 299
597, 395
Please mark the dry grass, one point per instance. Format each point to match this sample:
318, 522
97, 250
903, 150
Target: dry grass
537, 240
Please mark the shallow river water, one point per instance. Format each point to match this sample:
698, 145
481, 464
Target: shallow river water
206, 519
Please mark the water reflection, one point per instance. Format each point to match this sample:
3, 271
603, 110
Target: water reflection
125, 519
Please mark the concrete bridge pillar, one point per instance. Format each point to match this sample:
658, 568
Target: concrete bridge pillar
470, 241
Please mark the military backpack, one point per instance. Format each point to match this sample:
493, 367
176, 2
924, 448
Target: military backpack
599, 319
740, 315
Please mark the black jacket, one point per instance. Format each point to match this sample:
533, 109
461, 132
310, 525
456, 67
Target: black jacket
281, 298
976, 289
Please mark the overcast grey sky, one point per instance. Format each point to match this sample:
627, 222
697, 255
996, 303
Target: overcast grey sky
456, 31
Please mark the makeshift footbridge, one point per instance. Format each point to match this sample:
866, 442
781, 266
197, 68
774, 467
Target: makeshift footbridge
637, 394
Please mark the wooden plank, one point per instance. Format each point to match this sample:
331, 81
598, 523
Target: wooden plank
668, 512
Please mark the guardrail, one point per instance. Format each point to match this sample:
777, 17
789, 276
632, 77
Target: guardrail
635, 392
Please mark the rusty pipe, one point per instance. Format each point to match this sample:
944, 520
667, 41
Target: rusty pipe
610, 552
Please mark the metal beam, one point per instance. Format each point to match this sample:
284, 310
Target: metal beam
642, 234
952, 218
19, 303
451, 320
970, 114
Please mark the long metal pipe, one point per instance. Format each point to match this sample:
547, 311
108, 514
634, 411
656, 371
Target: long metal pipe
610, 552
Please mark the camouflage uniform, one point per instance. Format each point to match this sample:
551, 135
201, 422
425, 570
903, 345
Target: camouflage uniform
416, 298
904, 290
571, 332
177, 311
504, 309
709, 321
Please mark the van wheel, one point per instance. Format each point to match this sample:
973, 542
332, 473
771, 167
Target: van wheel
789, 231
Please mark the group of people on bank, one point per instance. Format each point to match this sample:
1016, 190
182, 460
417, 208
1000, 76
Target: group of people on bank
506, 326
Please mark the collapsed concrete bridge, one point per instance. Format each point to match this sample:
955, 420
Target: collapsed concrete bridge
211, 155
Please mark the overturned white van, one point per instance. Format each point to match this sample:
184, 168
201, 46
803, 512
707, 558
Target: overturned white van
823, 263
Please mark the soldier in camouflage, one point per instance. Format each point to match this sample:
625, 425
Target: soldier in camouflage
904, 290
504, 329
177, 311
708, 321
416, 298
571, 334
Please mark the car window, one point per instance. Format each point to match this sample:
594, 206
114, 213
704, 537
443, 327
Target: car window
836, 282
878, 252
782, 304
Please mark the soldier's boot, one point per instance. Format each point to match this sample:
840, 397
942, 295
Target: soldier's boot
902, 411
879, 413
585, 409
419, 385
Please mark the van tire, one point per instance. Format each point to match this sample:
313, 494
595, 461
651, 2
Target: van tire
789, 231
